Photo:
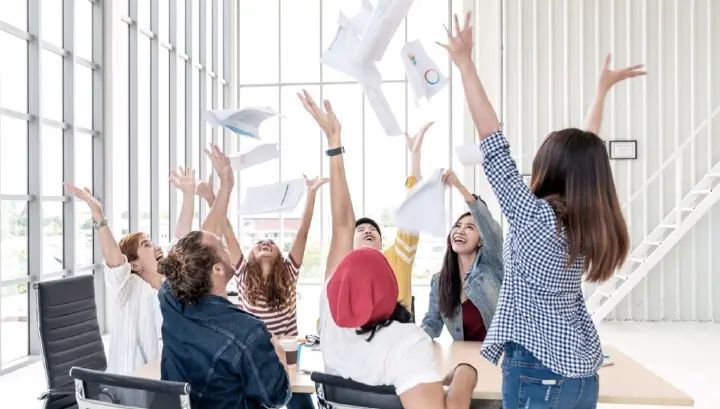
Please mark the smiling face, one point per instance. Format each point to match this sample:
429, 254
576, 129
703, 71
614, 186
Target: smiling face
265, 250
144, 256
464, 236
366, 235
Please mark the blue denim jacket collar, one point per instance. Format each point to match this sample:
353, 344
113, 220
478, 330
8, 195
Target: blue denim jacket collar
482, 283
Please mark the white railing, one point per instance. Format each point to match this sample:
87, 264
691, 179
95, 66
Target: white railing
675, 158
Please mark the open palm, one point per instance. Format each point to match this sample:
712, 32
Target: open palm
183, 179
609, 77
460, 45
414, 143
85, 195
326, 119
314, 184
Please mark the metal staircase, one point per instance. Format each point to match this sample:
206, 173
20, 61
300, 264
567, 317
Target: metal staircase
644, 257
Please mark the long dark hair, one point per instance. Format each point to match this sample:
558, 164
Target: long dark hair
449, 283
400, 314
571, 171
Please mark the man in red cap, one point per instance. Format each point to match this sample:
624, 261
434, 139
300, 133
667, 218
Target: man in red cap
367, 335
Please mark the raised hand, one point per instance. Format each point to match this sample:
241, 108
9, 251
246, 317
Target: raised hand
414, 143
450, 178
86, 196
609, 77
326, 119
314, 184
183, 179
204, 189
221, 164
460, 45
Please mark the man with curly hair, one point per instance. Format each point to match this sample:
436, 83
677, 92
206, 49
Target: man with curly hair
225, 353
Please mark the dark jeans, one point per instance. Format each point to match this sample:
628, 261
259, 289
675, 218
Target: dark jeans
528, 384
300, 401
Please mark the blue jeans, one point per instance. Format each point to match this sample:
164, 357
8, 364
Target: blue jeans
301, 401
528, 384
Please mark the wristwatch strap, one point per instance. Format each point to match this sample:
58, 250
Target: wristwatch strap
99, 225
335, 151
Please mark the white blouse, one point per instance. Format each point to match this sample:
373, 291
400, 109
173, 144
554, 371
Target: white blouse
135, 337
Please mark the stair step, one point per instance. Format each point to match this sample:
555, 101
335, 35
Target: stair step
638, 260
668, 226
605, 294
688, 209
712, 175
701, 192
652, 243
620, 276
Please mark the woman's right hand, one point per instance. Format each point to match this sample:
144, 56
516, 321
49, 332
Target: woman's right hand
460, 45
450, 178
326, 119
86, 196
221, 164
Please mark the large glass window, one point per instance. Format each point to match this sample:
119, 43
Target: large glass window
48, 136
294, 35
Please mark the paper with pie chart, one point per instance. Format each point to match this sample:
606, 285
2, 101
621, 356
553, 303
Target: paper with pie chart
423, 74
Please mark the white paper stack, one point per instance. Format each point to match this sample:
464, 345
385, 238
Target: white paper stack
424, 75
276, 197
423, 210
244, 121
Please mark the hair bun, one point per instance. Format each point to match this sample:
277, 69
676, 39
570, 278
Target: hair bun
171, 266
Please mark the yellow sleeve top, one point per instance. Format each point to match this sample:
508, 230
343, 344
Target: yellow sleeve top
401, 256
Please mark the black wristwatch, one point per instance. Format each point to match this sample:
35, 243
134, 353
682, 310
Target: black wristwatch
335, 151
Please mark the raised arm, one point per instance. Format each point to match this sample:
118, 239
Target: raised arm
343, 215
607, 79
489, 229
215, 222
184, 180
204, 190
297, 251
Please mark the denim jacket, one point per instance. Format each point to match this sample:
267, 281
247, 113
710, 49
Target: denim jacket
482, 283
223, 352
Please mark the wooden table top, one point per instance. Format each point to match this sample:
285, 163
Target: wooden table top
623, 382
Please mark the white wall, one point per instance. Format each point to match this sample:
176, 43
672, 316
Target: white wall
541, 60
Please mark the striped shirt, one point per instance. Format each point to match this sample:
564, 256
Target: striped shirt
280, 323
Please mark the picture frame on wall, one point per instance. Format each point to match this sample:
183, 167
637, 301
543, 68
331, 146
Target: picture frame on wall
623, 149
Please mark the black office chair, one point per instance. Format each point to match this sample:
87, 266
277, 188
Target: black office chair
90, 387
333, 390
69, 335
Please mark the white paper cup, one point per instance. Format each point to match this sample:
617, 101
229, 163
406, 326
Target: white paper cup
291, 349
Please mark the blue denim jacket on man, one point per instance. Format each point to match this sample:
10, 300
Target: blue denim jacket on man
223, 352
482, 283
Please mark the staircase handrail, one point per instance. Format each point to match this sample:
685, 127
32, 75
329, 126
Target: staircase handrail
671, 159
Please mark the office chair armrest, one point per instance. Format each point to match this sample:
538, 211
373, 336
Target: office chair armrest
339, 382
129, 382
64, 391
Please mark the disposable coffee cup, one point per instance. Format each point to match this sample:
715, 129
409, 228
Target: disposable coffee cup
291, 350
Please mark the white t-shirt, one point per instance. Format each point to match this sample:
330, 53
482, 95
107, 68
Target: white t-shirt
400, 355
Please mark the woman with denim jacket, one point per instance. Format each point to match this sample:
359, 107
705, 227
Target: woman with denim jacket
463, 295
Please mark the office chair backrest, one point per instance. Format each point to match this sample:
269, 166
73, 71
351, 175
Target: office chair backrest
335, 391
69, 335
96, 390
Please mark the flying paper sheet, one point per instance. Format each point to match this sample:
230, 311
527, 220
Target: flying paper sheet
424, 76
379, 103
470, 154
385, 21
362, 18
244, 122
277, 197
256, 156
423, 210
340, 55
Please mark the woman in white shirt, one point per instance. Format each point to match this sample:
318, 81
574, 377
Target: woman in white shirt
132, 278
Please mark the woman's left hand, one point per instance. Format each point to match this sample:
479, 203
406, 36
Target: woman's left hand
450, 178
